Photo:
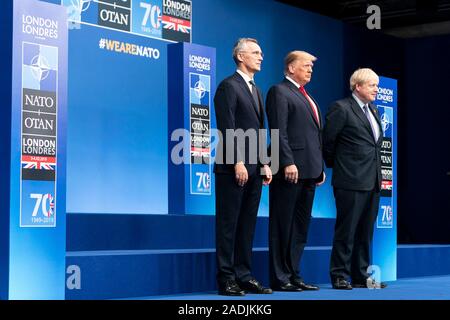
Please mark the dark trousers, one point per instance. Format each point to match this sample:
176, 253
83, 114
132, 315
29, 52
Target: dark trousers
290, 208
356, 212
236, 211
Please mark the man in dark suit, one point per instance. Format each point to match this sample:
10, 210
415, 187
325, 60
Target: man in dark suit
292, 111
239, 111
352, 142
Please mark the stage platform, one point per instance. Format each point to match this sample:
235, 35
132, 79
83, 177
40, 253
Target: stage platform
424, 288
129, 256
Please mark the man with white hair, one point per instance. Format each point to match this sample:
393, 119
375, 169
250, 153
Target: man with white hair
352, 140
239, 107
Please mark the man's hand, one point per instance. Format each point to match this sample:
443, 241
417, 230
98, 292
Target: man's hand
241, 174
291, 173
267, 175
323, 179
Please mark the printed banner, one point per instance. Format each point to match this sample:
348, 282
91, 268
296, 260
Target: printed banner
200, 126
37, 239
39, 131
161, 19
191, 123
385, 233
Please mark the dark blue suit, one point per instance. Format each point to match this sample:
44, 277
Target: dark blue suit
351, 150
291, 204
236, 207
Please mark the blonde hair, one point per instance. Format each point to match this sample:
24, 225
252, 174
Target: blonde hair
361, 76
296, 55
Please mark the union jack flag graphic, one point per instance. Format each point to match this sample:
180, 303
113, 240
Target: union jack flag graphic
175, 24
51, 205
38, 163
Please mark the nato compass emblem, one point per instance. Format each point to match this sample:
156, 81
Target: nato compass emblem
40, 68
74, 10
81, 5
385, 121
199, 89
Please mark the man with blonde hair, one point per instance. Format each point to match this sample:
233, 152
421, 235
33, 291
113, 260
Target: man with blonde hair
352, 140
295, 113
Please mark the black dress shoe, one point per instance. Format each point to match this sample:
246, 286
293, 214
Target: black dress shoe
369, 284
341, 284
253, 286
230, 288
287, 287
307, 287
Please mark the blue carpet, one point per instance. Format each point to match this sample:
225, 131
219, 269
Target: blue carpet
425, 288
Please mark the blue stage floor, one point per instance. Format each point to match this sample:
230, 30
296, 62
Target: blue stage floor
424, 288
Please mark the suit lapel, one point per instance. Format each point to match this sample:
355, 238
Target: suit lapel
360, 113
305, 101
377, 118
246, 89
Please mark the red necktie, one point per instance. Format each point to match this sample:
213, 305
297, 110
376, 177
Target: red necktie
303, 91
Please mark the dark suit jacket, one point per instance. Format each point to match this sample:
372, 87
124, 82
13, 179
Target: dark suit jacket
350, 148
236, 109
300, 135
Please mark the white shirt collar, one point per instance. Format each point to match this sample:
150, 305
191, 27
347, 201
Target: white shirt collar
245, 76
358, 100
292, 80
371, 116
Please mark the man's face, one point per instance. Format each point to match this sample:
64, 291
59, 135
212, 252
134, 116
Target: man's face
301, 71
368, 90
251, 57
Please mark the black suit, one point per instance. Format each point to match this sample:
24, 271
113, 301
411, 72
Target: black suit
291, 204
236, 207
351, 150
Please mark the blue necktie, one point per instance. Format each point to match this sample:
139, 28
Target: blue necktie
366, 111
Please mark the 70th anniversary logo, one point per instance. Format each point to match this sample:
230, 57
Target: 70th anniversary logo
160, 19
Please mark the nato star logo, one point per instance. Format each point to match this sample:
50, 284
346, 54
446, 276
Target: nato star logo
199, 89
40, 68
385, 121
81, 5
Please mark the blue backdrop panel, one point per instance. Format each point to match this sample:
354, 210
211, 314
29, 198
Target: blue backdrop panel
192, 83
89, 232
118, 133
37, 227
279, 32
118, 122
385, 234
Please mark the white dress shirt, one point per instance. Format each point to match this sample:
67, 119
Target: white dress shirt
373, 121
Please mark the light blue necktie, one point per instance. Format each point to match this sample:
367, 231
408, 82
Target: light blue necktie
366, 111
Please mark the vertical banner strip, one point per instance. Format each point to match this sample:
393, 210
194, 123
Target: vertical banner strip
200, 133
38, 135
199, 84
191, 77
38, 145
384, 246
6, 30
